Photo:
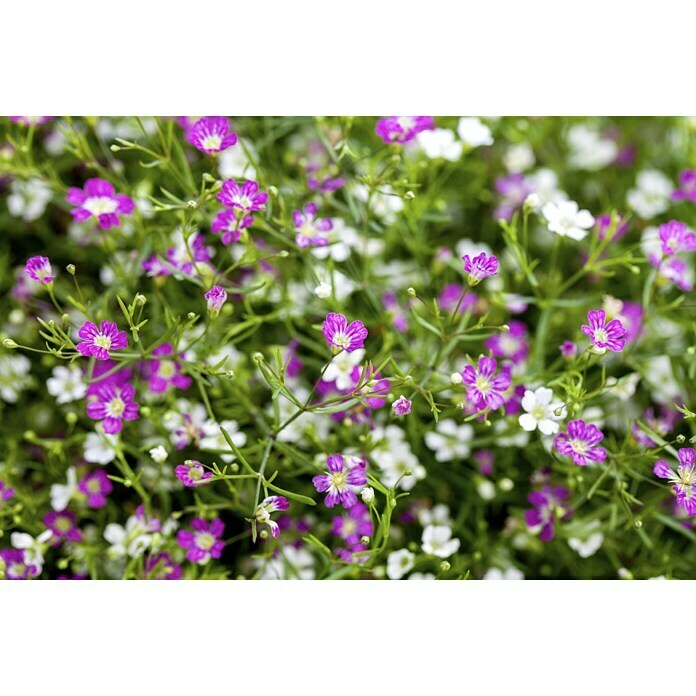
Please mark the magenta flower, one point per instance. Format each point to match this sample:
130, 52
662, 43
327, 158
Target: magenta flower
512, 344
187, 253
401, 129
99, 200
660, 423
266, 507
676, 237
113, 405
568, 349
484, 388
687, 188
485, 461
456, 297
604, 335
118, 378
603, 223
5, 493
353, 525
311, 230
212, 135
165, 374
96, 486
191, 473
480, 267
154, 268
246, 197
63, 526
402, 406
580, 442
16, 566
337, 481
99, 341
684, 479
391, 307
203, 542
230, 224
38, 268
678, 272
161, 567
549, 504
216, 297
342, 335
514, 189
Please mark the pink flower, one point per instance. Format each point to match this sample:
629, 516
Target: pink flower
266, 507
484, 388
401, 129
231, 224
310, 229
16, 566
337, 482
113, 405
580, 442
511, 344
339, 334
568, 349
212, 135
161, 567
191, 473
687, 189
99, 341
203, 542
402, 406
165, 374
548, 504
246, 197
354, 525
63, 526
99, 200
216, 297
5, 493
684, 479
155, 268
38, 268
604, 335
96, 486
675, 237
480, 267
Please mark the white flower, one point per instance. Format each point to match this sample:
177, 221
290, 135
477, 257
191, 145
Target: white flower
323, 290
28, 199
339, 284
510, 573
159, 454
624, 387
399, 563
486, 489
541, 410
450, 441
384, 203
437, 541
440, 143
587, 547
131, 540
33, 548
14, 376
544, 183
438, 514
341, 368
472, 248
473, 132
342, 239
66, 384
519, 157
61, 495
290, 563
566, 220
182, 428
233, 163
394, 457
589, 150
99, 448
659, 375
651, 195
214, 440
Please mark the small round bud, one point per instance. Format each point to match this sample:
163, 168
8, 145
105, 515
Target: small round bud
140, 300
145, 411
409, 195
209, 178
445, 566
504, 328
71, 418
365, 540
263, 534
191, 205
9, 344
70, 268
283, 254
456, 378
65, 318
191, 316
680, 439
62, 563
411, 292
257, 357
367, 495
230, 374
114, 148
273, 191
506, 485
638, 524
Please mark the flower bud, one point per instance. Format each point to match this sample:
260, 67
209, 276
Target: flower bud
444, 566
456, 378
365, 540
140, 300
409, 195
70, 268
9, 344
367, 495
